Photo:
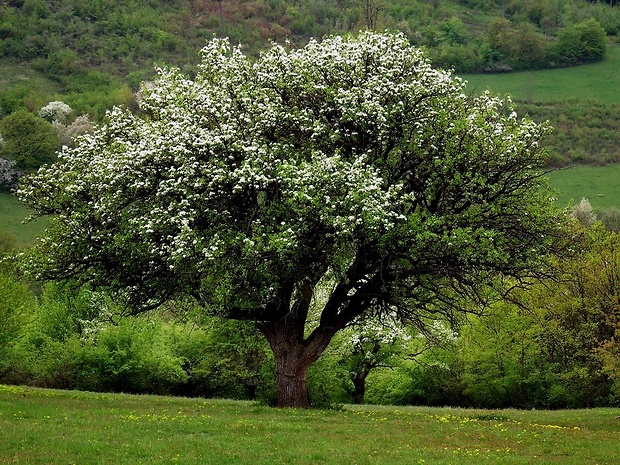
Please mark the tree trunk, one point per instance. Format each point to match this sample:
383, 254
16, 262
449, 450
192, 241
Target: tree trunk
359, 387
292, 381
293, 356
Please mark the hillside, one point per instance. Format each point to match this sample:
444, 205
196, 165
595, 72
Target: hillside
93, 54
76, 48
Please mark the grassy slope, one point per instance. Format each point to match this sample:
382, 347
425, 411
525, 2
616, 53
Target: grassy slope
597, 82
599, 184
60, 427
12, 216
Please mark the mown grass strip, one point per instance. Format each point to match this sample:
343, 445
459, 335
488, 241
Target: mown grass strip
59, 427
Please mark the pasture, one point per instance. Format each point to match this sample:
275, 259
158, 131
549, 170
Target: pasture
596, 82
599, 184
62, 427
13, 213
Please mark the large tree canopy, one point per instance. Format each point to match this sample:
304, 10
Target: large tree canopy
349, 164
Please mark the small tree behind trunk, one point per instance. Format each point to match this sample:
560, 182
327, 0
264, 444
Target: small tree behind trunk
359, 386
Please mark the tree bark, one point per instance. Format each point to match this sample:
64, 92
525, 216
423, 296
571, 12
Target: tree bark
359, 387
293, 355
291, 375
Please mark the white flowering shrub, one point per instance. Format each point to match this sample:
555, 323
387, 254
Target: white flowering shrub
56, 110
247, 184
67, 133
584, 213
8, 175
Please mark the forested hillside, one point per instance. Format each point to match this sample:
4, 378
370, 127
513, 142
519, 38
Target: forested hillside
92, 54
59, 38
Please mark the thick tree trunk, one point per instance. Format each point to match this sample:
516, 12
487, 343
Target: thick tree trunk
293, 356
291, 373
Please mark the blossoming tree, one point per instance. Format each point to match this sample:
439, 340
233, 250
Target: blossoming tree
349, 161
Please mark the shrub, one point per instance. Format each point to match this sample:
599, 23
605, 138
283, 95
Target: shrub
8, 175
55, 111
584, 213
583, 42
611, 219
29, 140
16, 306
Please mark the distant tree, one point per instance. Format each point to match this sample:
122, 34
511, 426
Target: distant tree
517, 46
248, 187
28, 140
371, 10
78, 127
584, 213
583, 42
55, 111
611, 219
372, 344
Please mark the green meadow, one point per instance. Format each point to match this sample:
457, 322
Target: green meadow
596, 82
599, 184
12, 220
64, 427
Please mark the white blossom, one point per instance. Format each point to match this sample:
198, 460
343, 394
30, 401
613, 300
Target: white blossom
56, 110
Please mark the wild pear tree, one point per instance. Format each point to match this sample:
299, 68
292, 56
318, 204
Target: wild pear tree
373, 343
350, 161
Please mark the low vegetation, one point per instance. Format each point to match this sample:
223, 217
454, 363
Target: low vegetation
598, 184
57, 427
554, 346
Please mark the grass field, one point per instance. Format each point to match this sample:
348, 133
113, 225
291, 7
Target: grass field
63, 427
599, 184
12, 216
596, 82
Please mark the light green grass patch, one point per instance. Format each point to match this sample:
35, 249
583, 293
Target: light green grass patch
597, 82
13, 213
599, 184
60, 427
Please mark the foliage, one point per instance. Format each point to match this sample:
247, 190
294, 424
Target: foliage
223, 359
16, 304
56, 110
583, 42
67, 133
248, 185
367, 345
94, 52
584, 213
611, 219
8, 175
28, 140
73, 341
553, 346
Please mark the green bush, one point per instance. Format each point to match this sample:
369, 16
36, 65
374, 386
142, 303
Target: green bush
584, 42
29, 140
16, 307
222, 359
